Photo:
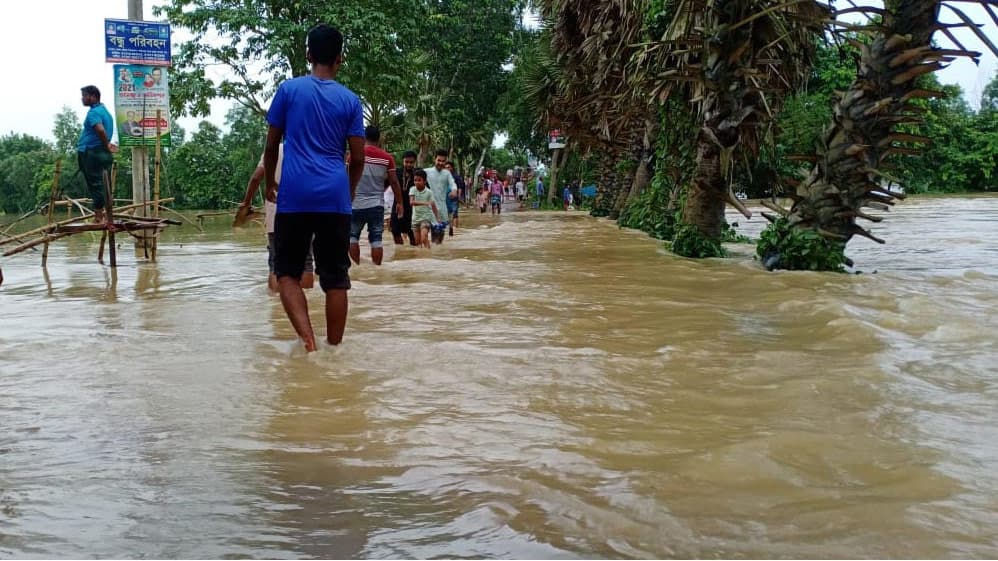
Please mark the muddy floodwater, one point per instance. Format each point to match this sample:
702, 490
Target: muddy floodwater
545, 385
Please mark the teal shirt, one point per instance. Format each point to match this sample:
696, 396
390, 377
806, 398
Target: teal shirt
98, 114
422, 212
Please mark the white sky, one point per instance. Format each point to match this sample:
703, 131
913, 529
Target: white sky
51, 48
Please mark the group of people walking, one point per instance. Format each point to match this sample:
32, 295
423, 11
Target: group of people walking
328, 179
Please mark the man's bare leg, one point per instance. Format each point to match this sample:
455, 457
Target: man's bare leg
336, 315
307, 281
377, 254
355, 252
295, 305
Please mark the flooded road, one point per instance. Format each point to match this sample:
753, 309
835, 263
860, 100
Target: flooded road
543, 386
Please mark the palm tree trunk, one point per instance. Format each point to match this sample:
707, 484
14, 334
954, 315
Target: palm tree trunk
558, 159
730, 106
847, 175
643, 173
603, 203
705, 203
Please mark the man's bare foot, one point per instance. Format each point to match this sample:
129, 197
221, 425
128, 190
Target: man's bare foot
309, 344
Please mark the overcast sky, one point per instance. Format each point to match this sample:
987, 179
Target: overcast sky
51, 48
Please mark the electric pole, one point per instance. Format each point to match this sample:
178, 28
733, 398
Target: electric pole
140, 160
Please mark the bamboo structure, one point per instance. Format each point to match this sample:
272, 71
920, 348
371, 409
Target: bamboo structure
55, 191
56, 230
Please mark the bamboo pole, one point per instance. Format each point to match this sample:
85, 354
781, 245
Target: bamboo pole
155, 187
46, 239
71, 203
108, 193
24, 216
181, 216
55, 189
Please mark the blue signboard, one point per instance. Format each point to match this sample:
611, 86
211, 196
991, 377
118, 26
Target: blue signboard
137, 42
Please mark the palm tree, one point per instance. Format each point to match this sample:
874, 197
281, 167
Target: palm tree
591, 99
849, 174
734, 60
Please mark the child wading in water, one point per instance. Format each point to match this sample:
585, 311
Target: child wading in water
424, 210
480, 200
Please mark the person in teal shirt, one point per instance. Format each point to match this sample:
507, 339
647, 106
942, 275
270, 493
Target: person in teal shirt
95, 153
424, 208
440, 181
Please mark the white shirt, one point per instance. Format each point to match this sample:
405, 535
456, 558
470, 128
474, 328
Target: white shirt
269, 208
389, 200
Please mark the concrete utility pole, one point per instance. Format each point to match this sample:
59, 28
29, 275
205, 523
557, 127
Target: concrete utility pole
140, 159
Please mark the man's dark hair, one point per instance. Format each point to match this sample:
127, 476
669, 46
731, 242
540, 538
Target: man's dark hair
325, 43
409, 154
372, 133
443, 153
91, 90
419, 173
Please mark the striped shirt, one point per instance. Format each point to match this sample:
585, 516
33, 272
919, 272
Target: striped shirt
371, 189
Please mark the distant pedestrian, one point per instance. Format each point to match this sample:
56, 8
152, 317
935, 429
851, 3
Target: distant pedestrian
402, 227
496, 196
440, 181
453, 206
481, 200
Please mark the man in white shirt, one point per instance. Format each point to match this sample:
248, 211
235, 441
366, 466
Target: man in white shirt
440, 181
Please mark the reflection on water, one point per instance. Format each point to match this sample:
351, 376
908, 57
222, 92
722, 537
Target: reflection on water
543, 385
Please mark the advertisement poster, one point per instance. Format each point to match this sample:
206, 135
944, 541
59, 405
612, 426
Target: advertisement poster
555, 140
137, 42
139, 91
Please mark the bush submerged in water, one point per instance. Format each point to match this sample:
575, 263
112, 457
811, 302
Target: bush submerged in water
783, 247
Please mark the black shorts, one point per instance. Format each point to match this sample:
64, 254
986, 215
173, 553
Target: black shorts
293, 233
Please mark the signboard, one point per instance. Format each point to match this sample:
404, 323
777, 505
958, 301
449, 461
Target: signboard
555, 140
139, 91
137, 42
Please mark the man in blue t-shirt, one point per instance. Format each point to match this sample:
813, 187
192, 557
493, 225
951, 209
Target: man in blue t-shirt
316, 117
94, 150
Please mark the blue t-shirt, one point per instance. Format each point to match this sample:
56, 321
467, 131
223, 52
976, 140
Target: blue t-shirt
97, 114
317, 116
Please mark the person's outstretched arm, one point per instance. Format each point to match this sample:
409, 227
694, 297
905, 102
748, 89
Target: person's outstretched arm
254, 185
270, 154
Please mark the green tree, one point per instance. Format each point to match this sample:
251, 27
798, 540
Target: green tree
21, 158
201, 172
66, 130
260, 43
243, 144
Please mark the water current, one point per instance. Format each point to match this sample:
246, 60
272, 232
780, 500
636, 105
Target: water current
544, 385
